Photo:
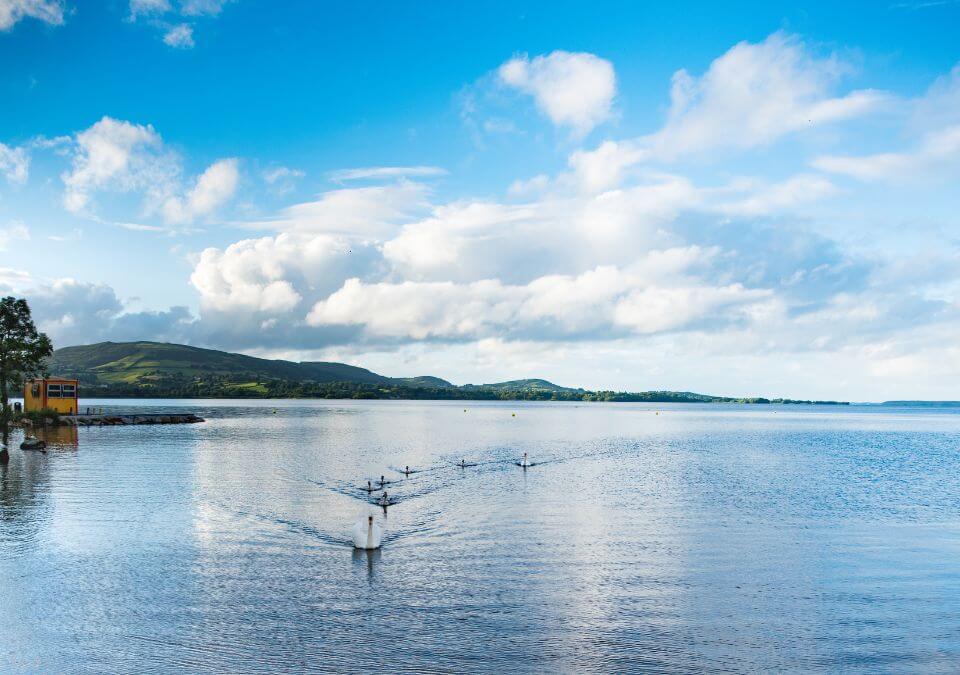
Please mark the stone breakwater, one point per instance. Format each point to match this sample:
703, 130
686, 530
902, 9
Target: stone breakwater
115, 420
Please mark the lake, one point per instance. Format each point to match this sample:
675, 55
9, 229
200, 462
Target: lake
648, 537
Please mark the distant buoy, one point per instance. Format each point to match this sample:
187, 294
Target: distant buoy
367, 535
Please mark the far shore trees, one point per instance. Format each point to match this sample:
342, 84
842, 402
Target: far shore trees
23, 349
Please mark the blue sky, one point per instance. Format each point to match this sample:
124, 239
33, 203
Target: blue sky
748, 199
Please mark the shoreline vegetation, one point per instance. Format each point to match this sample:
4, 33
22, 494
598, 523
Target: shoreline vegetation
132, 370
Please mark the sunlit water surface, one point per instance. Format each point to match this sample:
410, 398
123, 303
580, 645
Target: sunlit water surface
669, 538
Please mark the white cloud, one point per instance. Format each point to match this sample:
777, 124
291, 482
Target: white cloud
382, 172
214, 188
76, 312
281, 179
148, 7
179, 36
120, 156
12, 11
176, 34
279, 174
753, 95
14, 163
520, 187
603, 301
603, 168
940, 149
359, 212
572, 89
765, 199
201, 7
271, 274
11, 233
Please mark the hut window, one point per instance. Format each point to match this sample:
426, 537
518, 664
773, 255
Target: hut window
35, 390
68, 391
53, 391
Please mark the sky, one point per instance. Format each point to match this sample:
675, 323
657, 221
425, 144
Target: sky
738, 199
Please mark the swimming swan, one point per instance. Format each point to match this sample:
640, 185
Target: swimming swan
366, 534
524, 462
384, 500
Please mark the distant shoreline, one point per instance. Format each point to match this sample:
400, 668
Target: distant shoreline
422, 395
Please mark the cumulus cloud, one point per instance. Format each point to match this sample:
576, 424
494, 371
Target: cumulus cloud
604, 168
76, 312
753, 95
270, 275
114, 154
120, 156
14, 163
12, 11
213, 188
573, 89
603, 302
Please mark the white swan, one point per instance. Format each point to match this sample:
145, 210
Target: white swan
384, 500
366, 534
523, 462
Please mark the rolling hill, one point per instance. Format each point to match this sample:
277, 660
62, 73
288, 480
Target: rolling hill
158, 369
124, 366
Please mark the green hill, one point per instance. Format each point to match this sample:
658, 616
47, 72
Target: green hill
145, 362
162, 370
522, 385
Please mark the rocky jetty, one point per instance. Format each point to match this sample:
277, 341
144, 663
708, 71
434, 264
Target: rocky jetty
113, 420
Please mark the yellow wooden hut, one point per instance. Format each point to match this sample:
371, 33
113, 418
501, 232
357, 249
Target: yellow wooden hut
55, 393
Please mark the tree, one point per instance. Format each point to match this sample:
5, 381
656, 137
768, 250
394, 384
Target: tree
23, 350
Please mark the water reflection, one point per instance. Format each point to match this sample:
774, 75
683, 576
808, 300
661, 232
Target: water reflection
368, 557
702, 538
59, 438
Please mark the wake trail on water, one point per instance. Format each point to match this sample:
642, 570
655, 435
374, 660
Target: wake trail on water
420, 483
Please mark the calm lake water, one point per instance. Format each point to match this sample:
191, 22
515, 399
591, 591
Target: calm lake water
702, 538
